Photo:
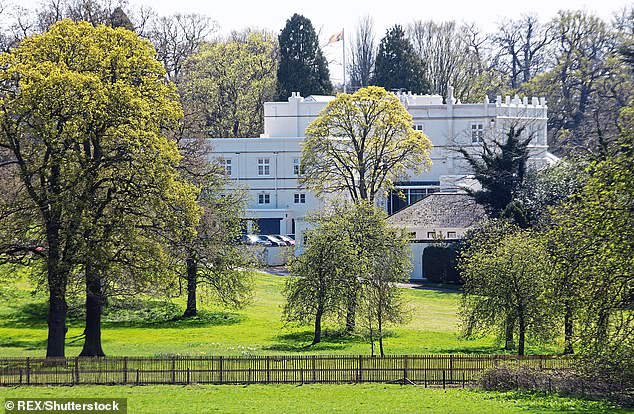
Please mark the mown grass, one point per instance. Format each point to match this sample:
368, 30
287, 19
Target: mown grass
152, 327
349, 399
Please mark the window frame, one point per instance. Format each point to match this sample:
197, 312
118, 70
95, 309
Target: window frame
264, 167
477, 133
264, 199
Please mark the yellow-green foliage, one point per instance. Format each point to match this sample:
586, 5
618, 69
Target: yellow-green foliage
226, 83
361, 143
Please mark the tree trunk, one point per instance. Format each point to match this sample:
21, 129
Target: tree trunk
522, 336
351, 315
508, 333
57, 306
94, 308
318, 315
56, 318
192, 283
380, 331
568, 330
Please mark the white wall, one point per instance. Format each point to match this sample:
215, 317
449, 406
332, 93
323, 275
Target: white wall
447, 126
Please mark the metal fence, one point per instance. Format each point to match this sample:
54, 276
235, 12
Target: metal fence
420, 369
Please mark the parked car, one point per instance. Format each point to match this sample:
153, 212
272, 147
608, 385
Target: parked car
291, 236
252, 239
273, 240
287, 240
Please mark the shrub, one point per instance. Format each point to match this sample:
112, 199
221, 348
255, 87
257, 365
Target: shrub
585, 382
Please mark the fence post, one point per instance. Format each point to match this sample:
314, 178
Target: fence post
360, 369
425, 376
451, 369
314, 369
20, 375
188, 376
28, 370
443, 379
125, 370
220, 369
405, 377
173, 370
268, 369
76, 370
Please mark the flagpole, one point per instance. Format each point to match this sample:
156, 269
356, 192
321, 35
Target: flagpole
343, 37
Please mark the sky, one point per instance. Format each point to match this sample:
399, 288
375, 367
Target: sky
331, 16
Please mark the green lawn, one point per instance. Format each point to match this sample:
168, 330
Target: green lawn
366, 399
148, 328
151, 330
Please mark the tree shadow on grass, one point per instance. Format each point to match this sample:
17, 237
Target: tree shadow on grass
484, 350
29, 315
300, 341
26, 344
146, 314
203, 320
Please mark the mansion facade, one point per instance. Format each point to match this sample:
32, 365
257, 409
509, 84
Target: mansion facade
268, 166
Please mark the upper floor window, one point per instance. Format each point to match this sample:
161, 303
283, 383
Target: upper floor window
300, 198
296, 166
418, 127
264, 199
227, 166
477, 133
264, 166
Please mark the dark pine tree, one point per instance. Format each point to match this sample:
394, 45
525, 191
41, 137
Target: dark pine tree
397, 65
303, 67
500, 169
119, 18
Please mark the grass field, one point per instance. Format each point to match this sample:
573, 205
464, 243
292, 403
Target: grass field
349, 399
152, 328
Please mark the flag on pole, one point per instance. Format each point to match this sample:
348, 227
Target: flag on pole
335, 38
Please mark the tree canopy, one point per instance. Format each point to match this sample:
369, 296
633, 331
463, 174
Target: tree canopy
303, 67
224, 86
349, 272
397, 65
500, 169
360, 144
82, 111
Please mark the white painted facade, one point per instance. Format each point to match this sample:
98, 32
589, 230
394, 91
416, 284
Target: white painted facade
268, 165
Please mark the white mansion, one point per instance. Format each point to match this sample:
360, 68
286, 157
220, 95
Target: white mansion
268, 166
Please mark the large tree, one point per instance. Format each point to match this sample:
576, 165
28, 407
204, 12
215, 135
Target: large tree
500, 169
82, 126
522, 49
452, 55
321, 276
225, 85
349, 271
213, 259
506, 274
586, 86
397, 65
360, 144
303, 67
593, 244
177, 37
362, 54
